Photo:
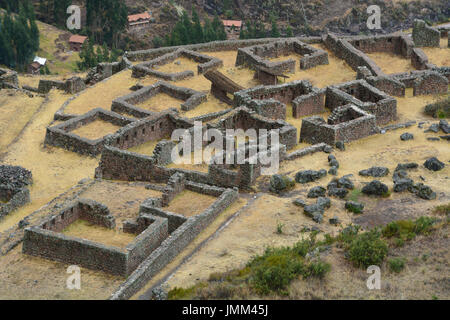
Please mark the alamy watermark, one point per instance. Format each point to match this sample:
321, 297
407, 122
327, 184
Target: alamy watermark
73, 282
374, 20
374, 281
74, 20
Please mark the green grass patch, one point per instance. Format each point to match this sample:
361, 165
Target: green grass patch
405, 230
367, 249
442, 209
354, 195
397, 264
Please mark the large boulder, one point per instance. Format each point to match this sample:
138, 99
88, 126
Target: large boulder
374, 172
375, 188
280, 183
406, 136
434, 164
316, 192
309, 176
423, 191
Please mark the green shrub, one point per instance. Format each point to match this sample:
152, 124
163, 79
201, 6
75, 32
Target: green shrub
368, 249
442, 209
317, 269
440, 109
280, 227
408, 229
275, 269
355, 194
423, 225
396, 264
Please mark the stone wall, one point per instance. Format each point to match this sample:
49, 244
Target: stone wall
206, 63
227, 45
270, 101
13, 188
354, 57
258, 55
424, 35
70, 86
12, 199
419, 59
61, 135
366, 97
127, 104
400, 45
348, 123
8, 79
426, 82
173, 245
47, 241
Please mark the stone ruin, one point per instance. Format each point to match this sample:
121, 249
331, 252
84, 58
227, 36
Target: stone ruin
258, 55
127, 104
61, 135
8, 79
345, 124
270, 101
357, 109
13, 188
424, 35
206, 63
160, 234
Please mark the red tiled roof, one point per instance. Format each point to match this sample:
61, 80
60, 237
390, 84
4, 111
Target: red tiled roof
139, 16
77, 39
229, 23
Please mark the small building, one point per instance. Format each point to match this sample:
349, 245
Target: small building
232, 28
138, 21
36, 65
76, 42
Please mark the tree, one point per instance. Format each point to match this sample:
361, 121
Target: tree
275, 33
289, 32
197, 28
219, 29
19, 36
87, 56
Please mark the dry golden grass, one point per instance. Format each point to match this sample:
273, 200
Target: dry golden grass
54, 170
204, 235
179, 65
146, 148
439, 56
15, 112
234, 246
122, 198
228, 57
411, 108
336, 71
160, 102
24, 277
190, 203
391, 63
102, 94
110, 237
212, 104
96, 130
294, 56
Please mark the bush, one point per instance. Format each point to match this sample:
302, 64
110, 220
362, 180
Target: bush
408, 229
275, 269
396, 264
442, 209
368, 249
280, 227
317, 269
440, 109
